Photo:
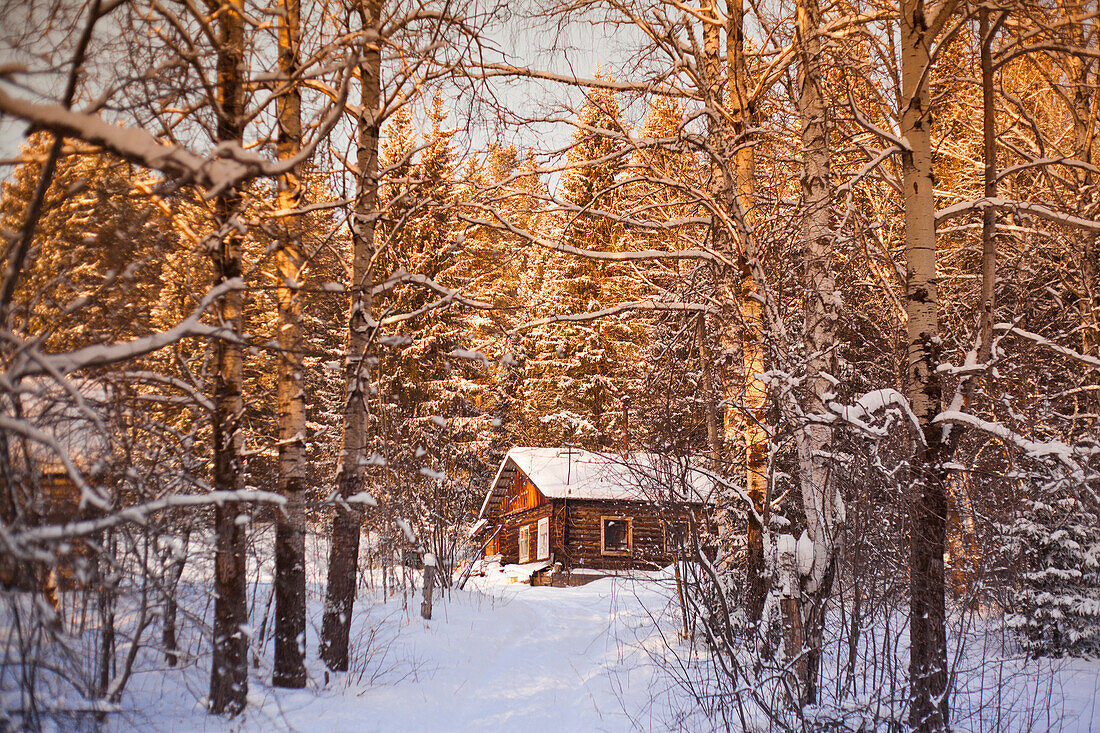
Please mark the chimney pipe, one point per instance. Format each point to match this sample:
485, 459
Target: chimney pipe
626, 424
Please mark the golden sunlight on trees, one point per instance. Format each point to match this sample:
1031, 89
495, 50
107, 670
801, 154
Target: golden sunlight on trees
290, 291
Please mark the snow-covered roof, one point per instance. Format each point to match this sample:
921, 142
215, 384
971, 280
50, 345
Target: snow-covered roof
572, 473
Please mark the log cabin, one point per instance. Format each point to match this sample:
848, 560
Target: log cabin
569, 515
46, 493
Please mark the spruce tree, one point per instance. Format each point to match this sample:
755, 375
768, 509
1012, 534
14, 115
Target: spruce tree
1055, 542
576, 375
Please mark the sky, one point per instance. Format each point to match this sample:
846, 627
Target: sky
577, 49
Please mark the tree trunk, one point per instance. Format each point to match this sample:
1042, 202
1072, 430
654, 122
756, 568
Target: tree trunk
710, 402
753, 393
790, 608
290, 528
172, 574
347, 519
1083, 66
229, 662
928, 500
741, 325
820, 497
989, 190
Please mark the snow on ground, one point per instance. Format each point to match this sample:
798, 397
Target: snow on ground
504, 656
496, 656
509, 657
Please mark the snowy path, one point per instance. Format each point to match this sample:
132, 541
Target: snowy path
521, 659
495, 657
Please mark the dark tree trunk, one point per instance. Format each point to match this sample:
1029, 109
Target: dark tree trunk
928, 499
290, 528
340, 591
229, 663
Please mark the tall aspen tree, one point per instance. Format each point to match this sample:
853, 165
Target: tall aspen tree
928, 499
819, 490
725, 93
347, 518
290, 529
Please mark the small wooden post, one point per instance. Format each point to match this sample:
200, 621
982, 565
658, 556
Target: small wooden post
680, 594
429, 581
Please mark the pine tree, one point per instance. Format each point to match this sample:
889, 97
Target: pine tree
430, 429
96, 265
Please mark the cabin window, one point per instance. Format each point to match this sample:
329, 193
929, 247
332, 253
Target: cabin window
616, 535
676, 536
544, 539
524, 544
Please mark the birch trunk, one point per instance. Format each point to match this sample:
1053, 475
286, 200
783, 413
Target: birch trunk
173, 571
821, 501
753, 392
347, 518
429, 584
290, 527
928, 500
229, 662
740, 326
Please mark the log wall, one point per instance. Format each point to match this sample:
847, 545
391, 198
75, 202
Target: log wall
575, 539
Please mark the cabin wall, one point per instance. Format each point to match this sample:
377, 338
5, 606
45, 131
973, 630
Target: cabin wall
508, 539
520, 496
583, 542
575, 533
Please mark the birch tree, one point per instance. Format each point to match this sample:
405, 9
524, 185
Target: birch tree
290, 571
229, 663
344, 551
920, 28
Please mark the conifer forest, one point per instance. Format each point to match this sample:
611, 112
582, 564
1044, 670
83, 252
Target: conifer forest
290, 290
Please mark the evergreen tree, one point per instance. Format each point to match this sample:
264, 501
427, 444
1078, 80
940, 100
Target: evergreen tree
575, 375
1055, 542
431, 430
96, 265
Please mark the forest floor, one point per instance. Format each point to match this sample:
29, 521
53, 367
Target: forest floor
496, 656
509, 657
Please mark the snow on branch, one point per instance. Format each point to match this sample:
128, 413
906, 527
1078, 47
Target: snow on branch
103, 354
24, 428
857, 414
1033, 448
402, 277
138, 514
1047, 343
638, 305
736, 488
1024, 208
228, 165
